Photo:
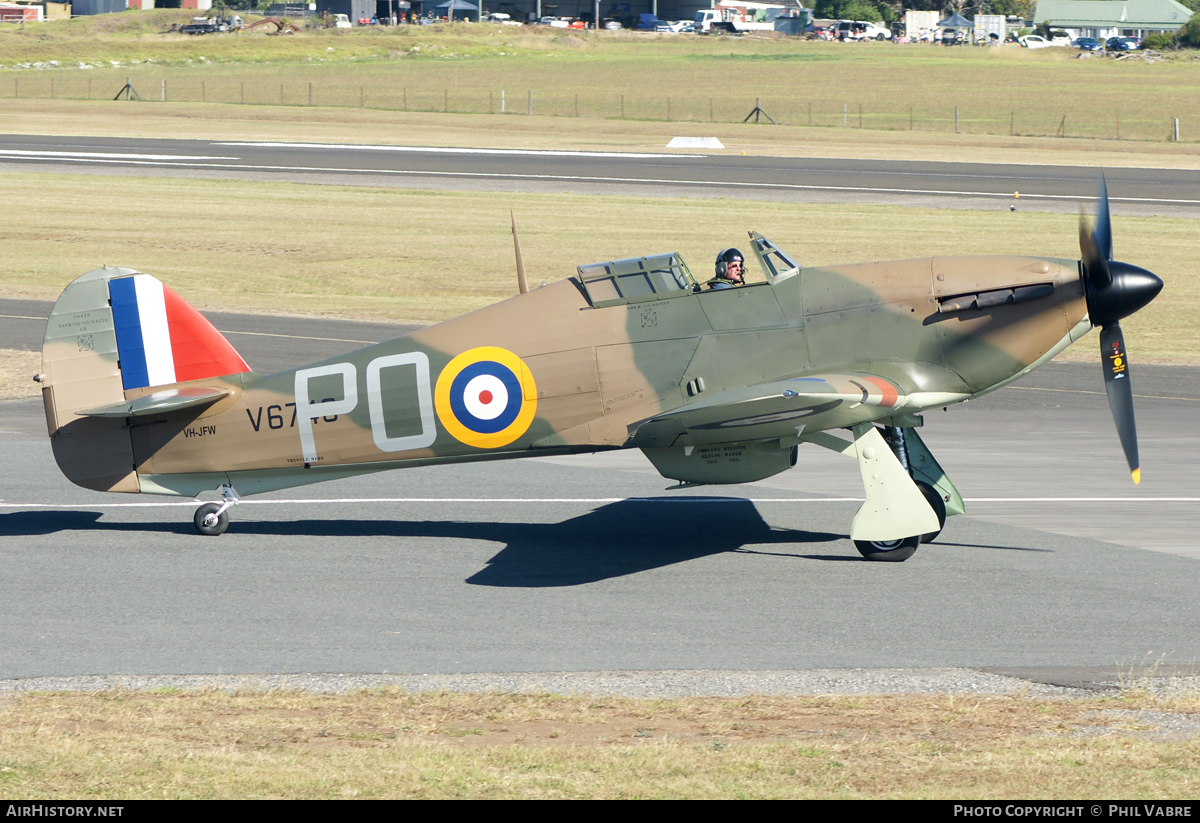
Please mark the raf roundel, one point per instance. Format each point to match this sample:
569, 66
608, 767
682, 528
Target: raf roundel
486, 397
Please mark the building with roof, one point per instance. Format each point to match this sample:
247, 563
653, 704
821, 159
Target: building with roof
1112, 18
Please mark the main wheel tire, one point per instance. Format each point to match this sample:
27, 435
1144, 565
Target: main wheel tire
209, 522
888, 551
880, 38
939, 508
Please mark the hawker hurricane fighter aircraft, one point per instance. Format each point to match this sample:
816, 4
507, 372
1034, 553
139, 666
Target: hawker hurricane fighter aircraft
714, 385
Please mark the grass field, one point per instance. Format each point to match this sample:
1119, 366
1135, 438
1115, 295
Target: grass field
604, 76
403, 255
390, 744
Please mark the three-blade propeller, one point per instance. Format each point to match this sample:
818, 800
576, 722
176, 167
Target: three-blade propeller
1114, 290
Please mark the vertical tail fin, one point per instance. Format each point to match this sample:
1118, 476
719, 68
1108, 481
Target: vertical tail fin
115, 331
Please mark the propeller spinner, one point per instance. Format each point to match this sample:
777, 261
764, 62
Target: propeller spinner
1114, 290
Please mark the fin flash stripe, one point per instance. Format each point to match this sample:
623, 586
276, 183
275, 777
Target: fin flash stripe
161, 339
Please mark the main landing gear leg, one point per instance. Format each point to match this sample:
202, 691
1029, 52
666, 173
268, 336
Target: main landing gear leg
896, 514
213, 518
929, 476
890, 524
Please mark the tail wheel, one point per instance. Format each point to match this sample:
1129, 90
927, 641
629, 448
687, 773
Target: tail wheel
888, 551
210, 520
939, 508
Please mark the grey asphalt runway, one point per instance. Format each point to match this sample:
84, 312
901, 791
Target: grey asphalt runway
816, 180
1061, 566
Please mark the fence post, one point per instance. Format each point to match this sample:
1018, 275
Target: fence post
502, 101
310, 93
843, 115
1176, 129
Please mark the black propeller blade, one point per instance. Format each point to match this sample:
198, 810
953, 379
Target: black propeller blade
1114, 290
1120, 393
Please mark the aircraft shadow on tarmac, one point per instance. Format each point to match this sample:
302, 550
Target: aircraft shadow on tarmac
615, 540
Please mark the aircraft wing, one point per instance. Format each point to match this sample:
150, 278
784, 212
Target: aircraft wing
783, 408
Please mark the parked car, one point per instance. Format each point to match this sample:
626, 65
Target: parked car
503, 19
554, 22
613, 25
675, 27
1059, 38
1088, 44
861, 30
1034, 41
1121, 44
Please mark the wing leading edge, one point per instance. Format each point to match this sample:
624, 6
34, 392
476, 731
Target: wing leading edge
780, 409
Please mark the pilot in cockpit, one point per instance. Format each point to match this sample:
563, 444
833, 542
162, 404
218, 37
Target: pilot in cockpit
730, 270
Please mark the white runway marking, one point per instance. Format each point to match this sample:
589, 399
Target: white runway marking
454, 150
98, 155
1089, 391
567, 178
582, 500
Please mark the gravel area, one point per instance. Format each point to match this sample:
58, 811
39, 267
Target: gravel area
649, 684
1160, 727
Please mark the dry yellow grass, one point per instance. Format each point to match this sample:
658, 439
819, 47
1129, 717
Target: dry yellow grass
379, 744
394, 254
17, 368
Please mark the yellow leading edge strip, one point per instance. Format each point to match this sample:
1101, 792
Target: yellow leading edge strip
1137, 477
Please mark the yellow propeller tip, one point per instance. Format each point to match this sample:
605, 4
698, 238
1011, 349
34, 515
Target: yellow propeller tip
1137, 477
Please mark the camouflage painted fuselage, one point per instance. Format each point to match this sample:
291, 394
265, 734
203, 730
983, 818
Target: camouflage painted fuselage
558, 370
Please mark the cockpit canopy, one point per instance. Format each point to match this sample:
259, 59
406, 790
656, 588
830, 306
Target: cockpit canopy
637, 279
662, 276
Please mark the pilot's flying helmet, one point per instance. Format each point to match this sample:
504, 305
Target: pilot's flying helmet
726, 257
